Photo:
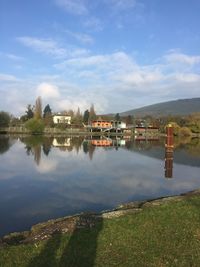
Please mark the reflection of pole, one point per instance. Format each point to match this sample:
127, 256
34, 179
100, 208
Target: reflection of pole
169, 147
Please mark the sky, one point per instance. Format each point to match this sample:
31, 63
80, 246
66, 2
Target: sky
117, 54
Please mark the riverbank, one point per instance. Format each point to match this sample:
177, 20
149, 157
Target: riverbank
161, 232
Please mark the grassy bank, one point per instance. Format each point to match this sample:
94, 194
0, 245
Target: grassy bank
156, 233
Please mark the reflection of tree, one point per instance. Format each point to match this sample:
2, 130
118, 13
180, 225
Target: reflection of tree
85, 147
34, 145
91, 151
178, 142
78, 142
4, 144
193, 148
146, 144
37, 154
28, 150
47, 145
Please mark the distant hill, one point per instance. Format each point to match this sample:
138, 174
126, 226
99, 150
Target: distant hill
176, 107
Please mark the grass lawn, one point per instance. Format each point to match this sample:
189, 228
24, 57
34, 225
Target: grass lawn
163, 235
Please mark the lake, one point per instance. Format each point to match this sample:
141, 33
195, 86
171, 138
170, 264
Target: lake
43, 178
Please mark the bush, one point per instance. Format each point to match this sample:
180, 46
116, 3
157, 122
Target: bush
4, 119
185, 131
35, 126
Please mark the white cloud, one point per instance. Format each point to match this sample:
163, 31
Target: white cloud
11, 56
113, 82
46, 46
111, 61
187, 77
179, 58
7, 78
51, 47
94, 24
46, 166
76, 7
14, 57
47, 91
140, 78
122, 4
81, 37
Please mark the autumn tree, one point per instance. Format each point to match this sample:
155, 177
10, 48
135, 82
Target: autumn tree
194, 122
38, 109
92, 113
77, 119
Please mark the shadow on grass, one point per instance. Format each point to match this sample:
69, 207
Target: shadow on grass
47, 256
79, 250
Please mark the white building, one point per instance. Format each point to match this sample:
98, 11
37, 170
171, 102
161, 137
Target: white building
118, 124
60, 118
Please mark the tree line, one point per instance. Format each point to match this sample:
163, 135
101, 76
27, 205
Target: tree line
36, 118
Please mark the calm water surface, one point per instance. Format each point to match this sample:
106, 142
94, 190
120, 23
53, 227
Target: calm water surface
44, 178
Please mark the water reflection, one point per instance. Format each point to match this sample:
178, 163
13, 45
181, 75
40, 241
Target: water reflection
5, 143
35, 145
43, 178
169, 149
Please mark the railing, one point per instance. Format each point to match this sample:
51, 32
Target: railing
14, 129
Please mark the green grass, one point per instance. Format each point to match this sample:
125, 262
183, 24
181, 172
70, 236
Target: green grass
166, 235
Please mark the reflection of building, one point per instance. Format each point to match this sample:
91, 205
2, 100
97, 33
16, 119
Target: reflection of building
102, 142
60, 142
108, 142
60, 118
146, 138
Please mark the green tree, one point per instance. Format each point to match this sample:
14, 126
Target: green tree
47, 116
129, 120
35, 126
4, 119
29, 112
47, 111
86, 116
117, 117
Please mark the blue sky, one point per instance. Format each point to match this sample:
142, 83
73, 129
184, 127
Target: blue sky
117, 54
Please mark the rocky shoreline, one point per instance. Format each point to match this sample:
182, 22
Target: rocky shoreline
68, 224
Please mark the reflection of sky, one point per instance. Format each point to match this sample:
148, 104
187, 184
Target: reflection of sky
69, 182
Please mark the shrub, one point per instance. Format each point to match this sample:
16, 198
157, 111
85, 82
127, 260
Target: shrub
185, 131
35, 126
4, 119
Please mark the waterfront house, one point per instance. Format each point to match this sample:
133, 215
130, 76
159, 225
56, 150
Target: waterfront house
61, 118
118, 125
101, 124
